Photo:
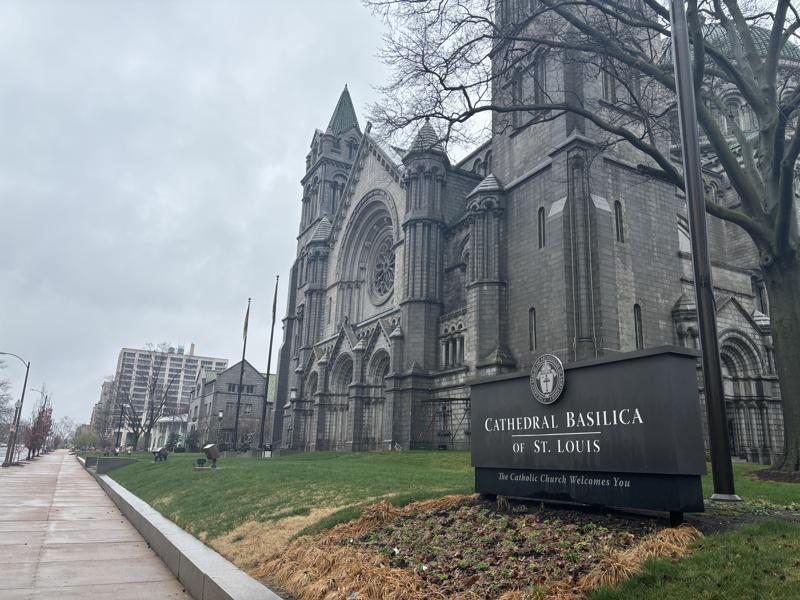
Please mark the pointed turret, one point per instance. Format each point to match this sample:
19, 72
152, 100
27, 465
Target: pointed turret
427, 140
344, 115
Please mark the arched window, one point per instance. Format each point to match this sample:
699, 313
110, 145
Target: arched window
541, 227
488, 163
539, 72
532, 329
618, 222
733, 110
674, 128
476, 167
609, 81
637, 326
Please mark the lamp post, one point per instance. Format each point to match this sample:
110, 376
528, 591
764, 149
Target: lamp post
12, 433
219, 424
721, 467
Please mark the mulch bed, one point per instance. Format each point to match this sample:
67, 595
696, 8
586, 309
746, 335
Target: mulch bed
467, 548
475, 548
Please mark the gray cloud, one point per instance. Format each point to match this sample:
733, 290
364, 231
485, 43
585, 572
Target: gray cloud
150, 154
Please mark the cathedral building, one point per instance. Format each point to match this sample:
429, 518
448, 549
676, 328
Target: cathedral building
415, 276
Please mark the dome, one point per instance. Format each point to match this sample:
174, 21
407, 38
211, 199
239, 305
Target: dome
716, 37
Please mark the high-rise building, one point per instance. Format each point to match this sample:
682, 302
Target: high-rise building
102, 421
164, 377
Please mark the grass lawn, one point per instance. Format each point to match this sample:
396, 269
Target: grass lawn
214, 503
760, 560
754, 490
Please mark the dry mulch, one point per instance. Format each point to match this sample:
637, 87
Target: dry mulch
464, 548
476, 548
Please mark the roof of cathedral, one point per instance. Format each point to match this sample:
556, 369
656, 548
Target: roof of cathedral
344, 115
426, 140
323, 230
490, 183
717, 37
389, 150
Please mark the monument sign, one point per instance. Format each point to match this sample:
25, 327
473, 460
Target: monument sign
622, 431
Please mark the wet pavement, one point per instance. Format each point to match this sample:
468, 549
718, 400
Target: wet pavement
62, 537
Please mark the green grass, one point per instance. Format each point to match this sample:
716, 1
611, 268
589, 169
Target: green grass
241, 490
756, 561
753, 489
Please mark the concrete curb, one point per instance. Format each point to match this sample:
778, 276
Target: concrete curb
205, 574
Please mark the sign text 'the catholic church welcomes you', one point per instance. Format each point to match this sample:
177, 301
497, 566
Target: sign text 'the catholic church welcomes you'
622, 431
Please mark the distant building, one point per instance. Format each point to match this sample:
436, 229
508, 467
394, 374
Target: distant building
164, 427
169, 374
102, 421
218, 391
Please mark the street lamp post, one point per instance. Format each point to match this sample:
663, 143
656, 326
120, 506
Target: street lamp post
219, 424
12, 433
721, 467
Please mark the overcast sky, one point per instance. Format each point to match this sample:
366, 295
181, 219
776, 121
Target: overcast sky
150, 158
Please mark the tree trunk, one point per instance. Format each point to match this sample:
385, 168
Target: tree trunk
783, 288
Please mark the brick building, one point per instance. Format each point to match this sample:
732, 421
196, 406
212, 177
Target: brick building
416, 275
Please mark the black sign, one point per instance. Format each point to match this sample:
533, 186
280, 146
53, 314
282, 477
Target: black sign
626, 431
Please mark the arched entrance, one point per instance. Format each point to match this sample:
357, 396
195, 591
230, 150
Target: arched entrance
332, 430
373, 413
746, 405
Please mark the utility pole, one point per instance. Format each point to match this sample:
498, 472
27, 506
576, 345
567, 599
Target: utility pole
269, 366
721, 467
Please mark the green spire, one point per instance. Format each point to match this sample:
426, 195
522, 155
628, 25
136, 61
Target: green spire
344, 116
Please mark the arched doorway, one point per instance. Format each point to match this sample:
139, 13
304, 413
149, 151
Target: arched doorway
373, 414
746, 405
303, 424
332, 431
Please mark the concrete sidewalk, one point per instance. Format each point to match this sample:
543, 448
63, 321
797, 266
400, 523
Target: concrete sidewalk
62, 537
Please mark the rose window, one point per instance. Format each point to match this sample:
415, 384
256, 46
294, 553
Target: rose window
383, 270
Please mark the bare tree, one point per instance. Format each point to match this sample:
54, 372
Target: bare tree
455, 59
41, 425
63, 431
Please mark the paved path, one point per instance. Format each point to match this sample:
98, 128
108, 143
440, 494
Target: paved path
62, 537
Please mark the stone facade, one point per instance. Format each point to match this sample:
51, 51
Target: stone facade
414, 276
218, 391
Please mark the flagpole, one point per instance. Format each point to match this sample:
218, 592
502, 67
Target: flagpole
269, 365
241, 379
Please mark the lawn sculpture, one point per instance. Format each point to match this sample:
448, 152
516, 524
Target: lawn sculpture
212, 453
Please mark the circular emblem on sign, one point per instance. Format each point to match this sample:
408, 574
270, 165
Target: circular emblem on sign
547, 378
